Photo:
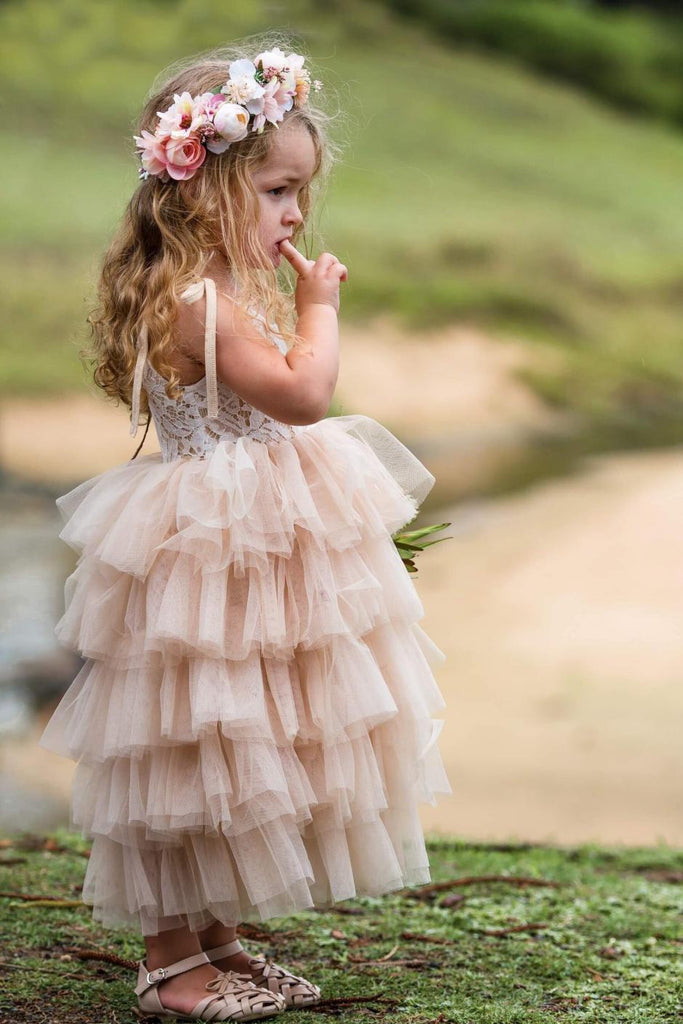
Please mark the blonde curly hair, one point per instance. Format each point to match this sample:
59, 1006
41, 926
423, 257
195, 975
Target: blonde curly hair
170, 230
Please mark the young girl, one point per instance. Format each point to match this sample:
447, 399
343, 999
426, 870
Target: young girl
252, 723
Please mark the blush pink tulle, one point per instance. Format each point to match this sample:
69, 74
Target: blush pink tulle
253, 721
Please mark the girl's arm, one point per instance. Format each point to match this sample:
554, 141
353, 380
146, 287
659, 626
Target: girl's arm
295, 387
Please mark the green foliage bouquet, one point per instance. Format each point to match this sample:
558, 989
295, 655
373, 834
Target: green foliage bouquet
410, 543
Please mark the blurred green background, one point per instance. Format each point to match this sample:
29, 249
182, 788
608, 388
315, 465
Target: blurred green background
516, 165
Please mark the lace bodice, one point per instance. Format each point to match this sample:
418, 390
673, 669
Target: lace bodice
207, 411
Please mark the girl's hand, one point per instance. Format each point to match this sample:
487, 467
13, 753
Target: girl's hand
318, 279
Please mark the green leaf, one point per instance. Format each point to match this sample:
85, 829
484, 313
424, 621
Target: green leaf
409, 543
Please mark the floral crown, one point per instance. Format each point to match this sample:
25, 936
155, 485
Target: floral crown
263, 89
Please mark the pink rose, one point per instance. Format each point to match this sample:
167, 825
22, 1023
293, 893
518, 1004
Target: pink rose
184, 157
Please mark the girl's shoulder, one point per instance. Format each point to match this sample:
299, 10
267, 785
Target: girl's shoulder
220, 316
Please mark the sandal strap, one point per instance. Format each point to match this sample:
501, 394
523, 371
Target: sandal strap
147, 978
297, 991
227, 949
234, 998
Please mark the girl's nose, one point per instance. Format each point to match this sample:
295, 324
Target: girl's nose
294, 214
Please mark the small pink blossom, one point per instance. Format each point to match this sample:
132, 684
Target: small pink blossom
214, 103
176, 119
202, 109
276, 101
152, 153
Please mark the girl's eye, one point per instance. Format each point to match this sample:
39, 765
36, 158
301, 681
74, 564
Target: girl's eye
280, 188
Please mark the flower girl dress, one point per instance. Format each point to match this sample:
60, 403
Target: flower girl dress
253, 720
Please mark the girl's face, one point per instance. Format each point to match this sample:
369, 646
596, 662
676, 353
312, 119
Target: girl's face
279, 182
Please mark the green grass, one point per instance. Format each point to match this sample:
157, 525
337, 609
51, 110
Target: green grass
607, 948
630, 58
470, 191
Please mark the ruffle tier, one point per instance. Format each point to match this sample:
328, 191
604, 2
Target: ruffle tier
253, 722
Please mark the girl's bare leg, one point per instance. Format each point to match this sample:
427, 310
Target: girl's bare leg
218, 934
183, 991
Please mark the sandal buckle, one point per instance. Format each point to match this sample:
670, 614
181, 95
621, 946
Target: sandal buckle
159, 971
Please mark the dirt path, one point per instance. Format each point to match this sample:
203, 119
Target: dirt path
560, 609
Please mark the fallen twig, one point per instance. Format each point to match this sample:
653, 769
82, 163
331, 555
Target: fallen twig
44, 968
415, 962
416, 937
100, 954
428, 890
32, 897
51, 902
387, 961
512, 928
355, 911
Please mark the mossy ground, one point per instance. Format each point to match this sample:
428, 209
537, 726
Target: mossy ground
602, 942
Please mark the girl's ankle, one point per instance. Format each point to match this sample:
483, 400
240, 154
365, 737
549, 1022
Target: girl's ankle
158, 958
210, 940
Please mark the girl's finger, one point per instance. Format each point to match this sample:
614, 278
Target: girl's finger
338, 268
297, 259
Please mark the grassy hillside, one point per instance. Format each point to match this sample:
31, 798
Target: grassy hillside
469, 190
629, 57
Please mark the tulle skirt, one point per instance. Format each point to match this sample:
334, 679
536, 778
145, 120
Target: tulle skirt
253, 722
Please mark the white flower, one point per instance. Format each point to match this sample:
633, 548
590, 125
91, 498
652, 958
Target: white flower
242, 86
274, 59
231, 121
295, 62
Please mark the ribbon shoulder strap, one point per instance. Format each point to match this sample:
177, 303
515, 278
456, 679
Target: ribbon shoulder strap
191, 294
142, 347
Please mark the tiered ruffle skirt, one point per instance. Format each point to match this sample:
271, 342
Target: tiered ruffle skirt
253, 721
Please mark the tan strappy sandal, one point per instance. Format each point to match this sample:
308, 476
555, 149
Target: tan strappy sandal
295, 990
233, 996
